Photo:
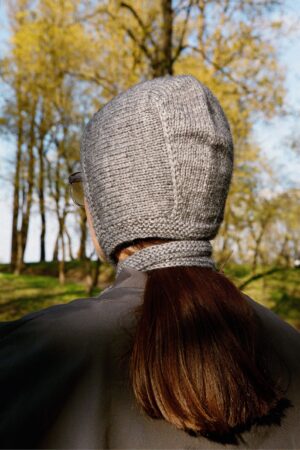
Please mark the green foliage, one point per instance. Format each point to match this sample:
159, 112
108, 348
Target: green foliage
20, 295
237, 271
286, 304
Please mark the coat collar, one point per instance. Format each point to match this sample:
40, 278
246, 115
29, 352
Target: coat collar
129, 277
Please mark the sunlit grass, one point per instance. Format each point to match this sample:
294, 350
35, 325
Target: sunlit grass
20, 294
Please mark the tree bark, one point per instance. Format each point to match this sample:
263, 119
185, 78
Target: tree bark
55, 251
23, 233
81, 254
69, 241
14, 234
160, 58
41, 194
61, 265
93, 275
166, 63
258, 241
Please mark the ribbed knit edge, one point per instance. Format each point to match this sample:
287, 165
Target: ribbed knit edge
170, 254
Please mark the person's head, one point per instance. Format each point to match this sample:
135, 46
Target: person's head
157, 164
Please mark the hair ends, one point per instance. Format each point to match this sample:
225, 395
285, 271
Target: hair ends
197, 360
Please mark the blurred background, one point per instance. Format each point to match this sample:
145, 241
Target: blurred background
61, 60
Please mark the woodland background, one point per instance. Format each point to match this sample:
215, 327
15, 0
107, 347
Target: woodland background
64, 59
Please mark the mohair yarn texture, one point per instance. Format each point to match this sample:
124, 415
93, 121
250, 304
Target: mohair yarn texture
157, 162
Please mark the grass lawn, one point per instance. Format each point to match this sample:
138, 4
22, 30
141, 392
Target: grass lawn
279, 291
20, 294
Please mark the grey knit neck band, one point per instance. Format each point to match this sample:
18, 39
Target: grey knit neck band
170, 254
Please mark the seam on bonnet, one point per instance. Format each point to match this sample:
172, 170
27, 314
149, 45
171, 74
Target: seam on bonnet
153, 101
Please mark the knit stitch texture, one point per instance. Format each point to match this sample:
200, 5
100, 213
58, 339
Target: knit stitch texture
157, 162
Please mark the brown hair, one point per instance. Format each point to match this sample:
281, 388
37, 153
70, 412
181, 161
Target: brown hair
197, 359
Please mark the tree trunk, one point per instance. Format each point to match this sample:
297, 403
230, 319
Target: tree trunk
81, 254
164, 65
19, 263
92, 276
41, 194
28, 202
23, 234
57, 193
14, 234
160, 59
61, 270
69, 240
55, 251
255, 258
258, 241
61, 265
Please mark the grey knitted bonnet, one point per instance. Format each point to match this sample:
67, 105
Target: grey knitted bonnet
157, 162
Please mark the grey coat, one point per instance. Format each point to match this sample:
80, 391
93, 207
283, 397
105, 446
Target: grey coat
63, 380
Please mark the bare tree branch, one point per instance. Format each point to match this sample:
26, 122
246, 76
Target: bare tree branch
141, 45
221, 69
144, 28
180, 46
261, 275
